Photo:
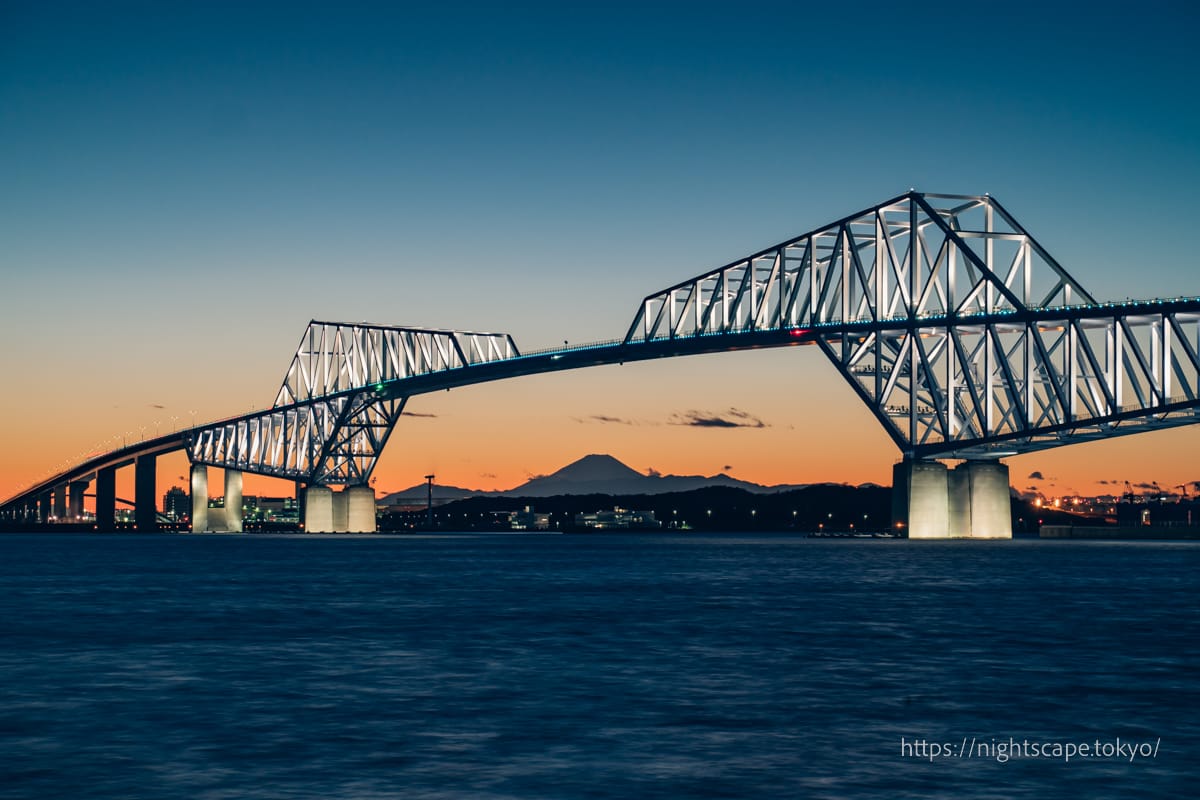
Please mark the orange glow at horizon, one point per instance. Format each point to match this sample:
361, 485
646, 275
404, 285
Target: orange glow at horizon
797, 422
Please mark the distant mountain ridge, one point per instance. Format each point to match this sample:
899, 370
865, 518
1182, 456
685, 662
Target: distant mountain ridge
593, 474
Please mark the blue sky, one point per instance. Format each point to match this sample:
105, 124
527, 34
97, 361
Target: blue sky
191, 183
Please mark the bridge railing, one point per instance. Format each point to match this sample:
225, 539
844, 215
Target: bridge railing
571, 348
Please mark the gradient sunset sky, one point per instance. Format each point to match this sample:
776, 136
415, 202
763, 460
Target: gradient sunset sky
184, 186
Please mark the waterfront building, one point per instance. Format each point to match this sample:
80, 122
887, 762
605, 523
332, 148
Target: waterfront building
528, 520
176, 504
617, 519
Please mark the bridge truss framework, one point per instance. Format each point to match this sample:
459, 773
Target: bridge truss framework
963, 336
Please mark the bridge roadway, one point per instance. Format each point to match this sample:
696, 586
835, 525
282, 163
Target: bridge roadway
959, 347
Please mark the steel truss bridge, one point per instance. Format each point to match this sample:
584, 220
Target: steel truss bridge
955, 327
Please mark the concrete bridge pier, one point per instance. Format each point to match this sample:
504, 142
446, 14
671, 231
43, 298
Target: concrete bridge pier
318, 509
106, 499
352, 510
60, 503
199, 498
341, 511
145, 487
233, 501
931, 501
78, 489
43, 501
985, 488
360, 509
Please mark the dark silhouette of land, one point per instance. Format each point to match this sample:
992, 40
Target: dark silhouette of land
828, 509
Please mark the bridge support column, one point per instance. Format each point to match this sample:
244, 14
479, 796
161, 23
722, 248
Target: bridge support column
989, 500
920, 499
145, 484
78, 489
106, 499
360, 509
60, 503
43, 507
341, 515
199, 498
958, 496
233, 501
930, 501
318, 509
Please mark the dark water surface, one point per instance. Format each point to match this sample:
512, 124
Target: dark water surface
614, 666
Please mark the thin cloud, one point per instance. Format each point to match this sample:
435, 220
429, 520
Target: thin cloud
733, 418
726, 468
419, 414
156, 405
605, 419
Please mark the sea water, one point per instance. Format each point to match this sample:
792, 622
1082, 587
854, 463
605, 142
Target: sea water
595, 666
